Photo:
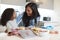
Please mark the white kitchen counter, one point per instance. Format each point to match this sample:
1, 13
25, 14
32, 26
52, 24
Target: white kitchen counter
51, 37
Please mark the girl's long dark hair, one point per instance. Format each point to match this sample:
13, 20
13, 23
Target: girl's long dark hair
6, 16
35, 14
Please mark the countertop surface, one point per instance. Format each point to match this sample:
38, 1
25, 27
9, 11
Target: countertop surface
47, 37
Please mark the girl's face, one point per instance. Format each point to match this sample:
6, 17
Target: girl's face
29, 11
14, 16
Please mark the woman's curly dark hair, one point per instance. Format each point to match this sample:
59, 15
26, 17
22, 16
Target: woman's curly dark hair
6, 16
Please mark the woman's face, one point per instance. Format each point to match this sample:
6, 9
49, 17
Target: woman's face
29, 11
14, 15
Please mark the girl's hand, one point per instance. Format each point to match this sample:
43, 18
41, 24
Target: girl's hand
10, 34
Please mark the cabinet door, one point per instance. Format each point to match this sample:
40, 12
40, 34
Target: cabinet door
48, 4
14, 2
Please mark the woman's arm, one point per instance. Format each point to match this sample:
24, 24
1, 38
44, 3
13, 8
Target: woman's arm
19, 18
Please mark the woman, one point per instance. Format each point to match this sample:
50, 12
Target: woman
7, 19
30, 16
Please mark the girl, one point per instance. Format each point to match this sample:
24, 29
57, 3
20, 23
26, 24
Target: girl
8, 20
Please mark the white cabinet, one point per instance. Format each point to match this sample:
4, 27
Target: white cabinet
48, 4
14, 2
0, 1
